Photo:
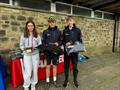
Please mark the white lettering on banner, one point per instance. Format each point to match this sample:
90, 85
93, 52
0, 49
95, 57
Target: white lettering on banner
61, 58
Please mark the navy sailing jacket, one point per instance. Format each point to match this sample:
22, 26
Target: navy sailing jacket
52, 35
72, 35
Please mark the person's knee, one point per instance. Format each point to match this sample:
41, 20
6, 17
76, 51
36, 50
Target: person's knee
54, 66
48, 66
66, 66
75, 70
75, 67
28, 71
35, 70
28, 74
66, 69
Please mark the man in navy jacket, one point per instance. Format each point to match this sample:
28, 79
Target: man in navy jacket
51, 36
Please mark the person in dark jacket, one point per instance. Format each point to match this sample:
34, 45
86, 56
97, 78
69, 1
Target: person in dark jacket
71, 34
51, 36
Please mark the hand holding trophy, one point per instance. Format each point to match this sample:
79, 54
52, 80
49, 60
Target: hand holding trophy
29, 49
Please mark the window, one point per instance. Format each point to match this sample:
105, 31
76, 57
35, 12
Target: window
36, 4
108, 16
63, 8
4, 1
81, 11
98, 14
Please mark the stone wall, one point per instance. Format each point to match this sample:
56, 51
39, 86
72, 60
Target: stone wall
97, 33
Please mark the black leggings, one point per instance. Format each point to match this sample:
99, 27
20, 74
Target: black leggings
74, 59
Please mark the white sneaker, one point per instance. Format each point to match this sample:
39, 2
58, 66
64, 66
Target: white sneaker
33, 87
26, 88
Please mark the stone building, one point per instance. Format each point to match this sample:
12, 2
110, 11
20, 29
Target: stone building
97, 26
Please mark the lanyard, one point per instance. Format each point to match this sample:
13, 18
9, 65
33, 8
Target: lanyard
31, 41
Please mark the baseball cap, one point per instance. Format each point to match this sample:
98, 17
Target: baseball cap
51, 19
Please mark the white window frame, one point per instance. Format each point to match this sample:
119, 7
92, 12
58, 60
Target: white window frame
6, 3
71, 12
53, 8
11, 2
100, 12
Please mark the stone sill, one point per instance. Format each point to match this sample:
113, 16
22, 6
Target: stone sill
49, 12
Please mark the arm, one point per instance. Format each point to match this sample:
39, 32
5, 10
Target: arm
80, 36
63, 38
44, 38
60, 39
39, 40
22, 42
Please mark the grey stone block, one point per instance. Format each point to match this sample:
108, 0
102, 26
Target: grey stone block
2, 32
14, 28
5, 26
4, 17
7, 22
4, 39
13, 39
13, 17
22, 18
30, 18
15, 23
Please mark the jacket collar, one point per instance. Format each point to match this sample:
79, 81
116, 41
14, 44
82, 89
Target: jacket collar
67, 27
55, 28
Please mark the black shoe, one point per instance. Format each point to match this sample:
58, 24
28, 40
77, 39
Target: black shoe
65, 83
76, 84
47, 86
55, 83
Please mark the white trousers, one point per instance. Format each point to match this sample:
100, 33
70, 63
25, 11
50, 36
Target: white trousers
30, 66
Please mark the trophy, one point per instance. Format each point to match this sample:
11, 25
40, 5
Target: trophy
77, 47
50, 48
29, 50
